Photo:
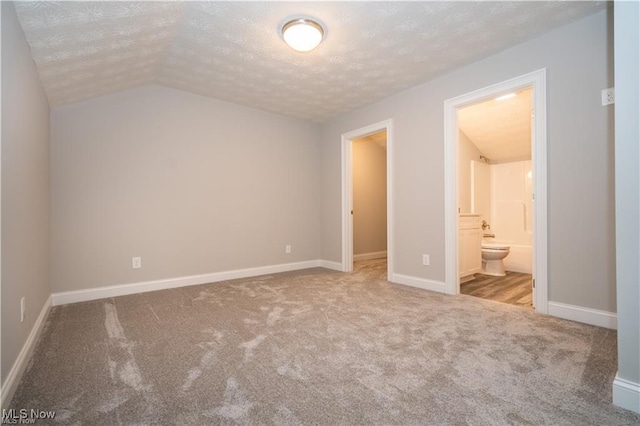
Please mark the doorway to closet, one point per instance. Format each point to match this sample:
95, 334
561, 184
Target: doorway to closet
367, 193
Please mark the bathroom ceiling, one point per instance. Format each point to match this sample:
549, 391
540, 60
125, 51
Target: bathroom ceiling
233, 51
380, 138
500, 129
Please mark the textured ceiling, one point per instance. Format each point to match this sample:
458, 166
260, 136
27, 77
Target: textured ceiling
501, 130
233, 51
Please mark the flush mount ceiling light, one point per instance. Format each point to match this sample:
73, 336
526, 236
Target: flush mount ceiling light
302, 34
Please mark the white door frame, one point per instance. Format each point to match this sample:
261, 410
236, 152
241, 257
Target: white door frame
537, 81
347, 192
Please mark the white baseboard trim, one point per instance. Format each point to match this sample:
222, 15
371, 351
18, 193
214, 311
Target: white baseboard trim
585, 315
467, 278
66, 297
422, 283
17, 370
626, 394
370, 256
331, 265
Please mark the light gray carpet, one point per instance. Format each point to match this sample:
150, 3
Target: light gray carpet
318, 347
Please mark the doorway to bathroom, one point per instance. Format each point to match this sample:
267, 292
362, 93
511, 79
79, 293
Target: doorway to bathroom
495, 183
495, 149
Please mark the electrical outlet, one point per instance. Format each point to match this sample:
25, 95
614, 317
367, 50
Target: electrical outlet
425, 260
23, 308
136, 262
287, 249
608, 96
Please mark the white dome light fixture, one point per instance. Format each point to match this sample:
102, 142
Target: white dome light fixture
302, 34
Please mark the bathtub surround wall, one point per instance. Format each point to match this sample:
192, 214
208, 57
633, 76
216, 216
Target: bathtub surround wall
512, 212
25, 200
369, 199
502, 193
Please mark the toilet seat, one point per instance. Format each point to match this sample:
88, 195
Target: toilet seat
494, 246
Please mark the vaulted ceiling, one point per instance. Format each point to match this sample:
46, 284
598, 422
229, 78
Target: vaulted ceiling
233, 50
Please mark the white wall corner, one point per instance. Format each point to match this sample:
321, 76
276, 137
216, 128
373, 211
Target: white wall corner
336, 266
584, 315
425, 284
626, 394
19, 366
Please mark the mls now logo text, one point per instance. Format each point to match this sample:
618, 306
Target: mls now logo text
24, 416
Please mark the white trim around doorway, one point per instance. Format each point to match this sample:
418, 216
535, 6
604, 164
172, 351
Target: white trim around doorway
537, 81
347, 192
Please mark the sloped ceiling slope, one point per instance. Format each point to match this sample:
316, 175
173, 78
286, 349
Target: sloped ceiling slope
500, 129
233, 50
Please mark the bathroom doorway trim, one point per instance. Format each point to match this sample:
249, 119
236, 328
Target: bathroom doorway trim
537, 81
347, 192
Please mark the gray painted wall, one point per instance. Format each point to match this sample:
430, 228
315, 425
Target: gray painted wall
25, 190
627, 61
190, 184
369, 197
578, 58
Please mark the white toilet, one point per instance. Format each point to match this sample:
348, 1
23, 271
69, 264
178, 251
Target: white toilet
492, 255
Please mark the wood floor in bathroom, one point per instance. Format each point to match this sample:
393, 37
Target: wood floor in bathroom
514, 289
